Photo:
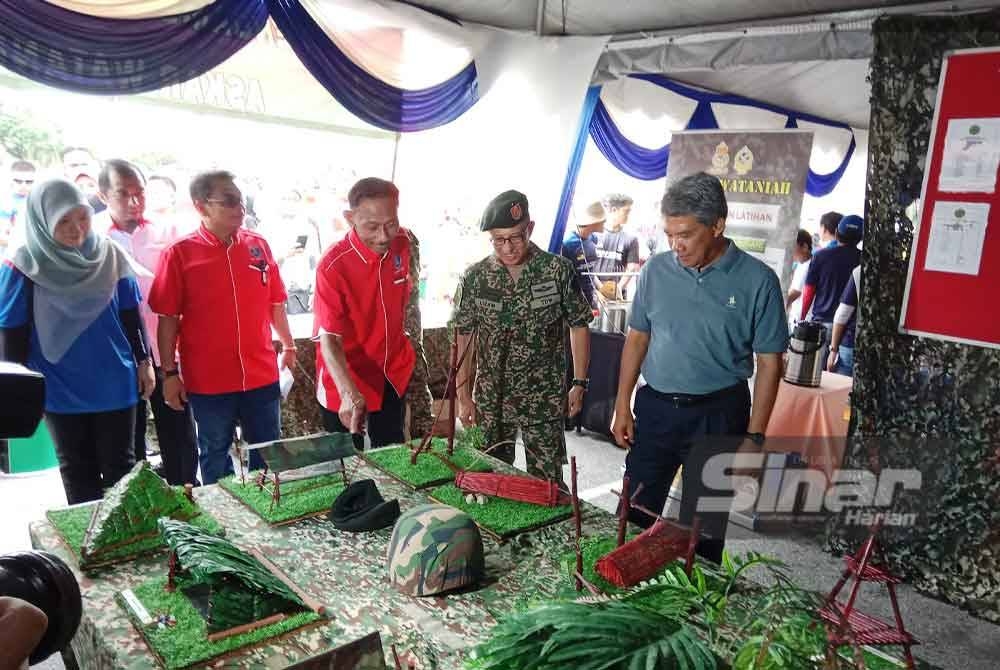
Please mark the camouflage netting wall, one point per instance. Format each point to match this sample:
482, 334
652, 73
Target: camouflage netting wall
921, 403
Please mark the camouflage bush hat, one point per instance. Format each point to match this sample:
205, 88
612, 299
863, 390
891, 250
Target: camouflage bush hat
435, 548
505, 211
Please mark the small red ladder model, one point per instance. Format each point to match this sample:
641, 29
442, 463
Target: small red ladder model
845, 625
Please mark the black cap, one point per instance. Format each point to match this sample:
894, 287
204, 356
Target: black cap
505, 211
360, 507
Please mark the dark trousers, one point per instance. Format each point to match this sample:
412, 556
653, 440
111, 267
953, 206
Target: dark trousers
669, 434
94, 450
258, 411
175, 433
384, 426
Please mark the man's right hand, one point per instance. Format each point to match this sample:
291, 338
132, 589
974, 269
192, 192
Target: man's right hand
353, 412
467, 410
174, 394
623, 428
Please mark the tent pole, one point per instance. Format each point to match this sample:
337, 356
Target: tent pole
540, 19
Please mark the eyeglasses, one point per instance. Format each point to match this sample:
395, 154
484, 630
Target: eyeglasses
229, 202
23, 182
514, 240
124, 195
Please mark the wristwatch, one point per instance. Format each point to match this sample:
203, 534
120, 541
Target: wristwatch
584, 383
166, 374
756, 438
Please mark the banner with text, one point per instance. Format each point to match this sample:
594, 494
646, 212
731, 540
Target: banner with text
763, 173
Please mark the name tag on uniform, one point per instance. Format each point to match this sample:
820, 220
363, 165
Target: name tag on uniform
492, 305
544, 301
546, 288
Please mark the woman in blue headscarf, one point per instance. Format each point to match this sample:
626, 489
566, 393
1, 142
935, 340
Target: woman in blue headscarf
69, 310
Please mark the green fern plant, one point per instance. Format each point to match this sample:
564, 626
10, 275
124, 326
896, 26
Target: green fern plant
613, 635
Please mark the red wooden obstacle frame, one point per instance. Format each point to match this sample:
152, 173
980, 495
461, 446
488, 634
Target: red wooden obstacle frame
640, 558
847, 626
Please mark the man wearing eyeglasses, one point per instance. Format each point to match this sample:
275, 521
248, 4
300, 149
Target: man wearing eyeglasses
218, 292
518, 303
22, 178
122, 189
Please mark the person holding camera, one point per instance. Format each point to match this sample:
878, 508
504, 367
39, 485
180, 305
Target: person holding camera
69, 304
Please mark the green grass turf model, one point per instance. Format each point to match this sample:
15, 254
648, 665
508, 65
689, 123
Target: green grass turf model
122, 525
501, 517
300, 498
215, 600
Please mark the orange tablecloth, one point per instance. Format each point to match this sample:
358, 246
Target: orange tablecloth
812, 421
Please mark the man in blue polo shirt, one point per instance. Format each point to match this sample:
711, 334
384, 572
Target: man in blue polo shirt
828, 273
702, 313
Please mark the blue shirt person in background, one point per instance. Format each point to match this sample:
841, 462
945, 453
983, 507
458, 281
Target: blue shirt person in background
828, 273
703, 314
580, 247
69, 310
841, 357
828, 229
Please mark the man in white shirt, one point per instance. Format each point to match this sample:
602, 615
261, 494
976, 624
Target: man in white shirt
122, 189
802, 255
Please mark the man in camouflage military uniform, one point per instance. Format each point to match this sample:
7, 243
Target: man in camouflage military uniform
418, 393
519, 302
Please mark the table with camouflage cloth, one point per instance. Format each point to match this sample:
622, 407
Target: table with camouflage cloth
345, 571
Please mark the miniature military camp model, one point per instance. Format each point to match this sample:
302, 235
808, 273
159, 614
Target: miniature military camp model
300, 479
214, 599
122, 525
427, 462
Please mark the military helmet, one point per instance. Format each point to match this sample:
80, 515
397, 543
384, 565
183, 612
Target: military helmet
434, 548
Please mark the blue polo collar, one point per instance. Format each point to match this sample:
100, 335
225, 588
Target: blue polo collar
725, 262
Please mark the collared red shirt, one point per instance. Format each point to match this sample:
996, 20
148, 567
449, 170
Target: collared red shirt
362, 297
705, 326
145, 244
224, 296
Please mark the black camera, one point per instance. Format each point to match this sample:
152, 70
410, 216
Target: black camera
37, 577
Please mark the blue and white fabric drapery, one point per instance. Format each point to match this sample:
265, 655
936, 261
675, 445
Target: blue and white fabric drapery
90, 53
346, 66
363, 52
649, 164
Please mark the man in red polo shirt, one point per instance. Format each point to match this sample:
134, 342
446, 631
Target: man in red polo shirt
365, 358
218, 292
123, 189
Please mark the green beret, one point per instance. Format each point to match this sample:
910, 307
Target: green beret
505, 211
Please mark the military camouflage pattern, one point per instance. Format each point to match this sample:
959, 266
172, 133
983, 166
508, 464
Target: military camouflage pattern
418, 394
434, 548
345, 572
521, 352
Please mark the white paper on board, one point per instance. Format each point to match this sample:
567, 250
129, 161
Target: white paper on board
955, 243
971, 156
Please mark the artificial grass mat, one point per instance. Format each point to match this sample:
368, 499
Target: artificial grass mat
299, 498
187, 643
71, 524
500, 516
429, 469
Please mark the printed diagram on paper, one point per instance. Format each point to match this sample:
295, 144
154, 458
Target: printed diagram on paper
955, 243
971, 156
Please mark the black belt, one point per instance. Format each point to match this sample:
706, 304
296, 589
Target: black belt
690, 400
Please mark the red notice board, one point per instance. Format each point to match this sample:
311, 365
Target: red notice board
951, 305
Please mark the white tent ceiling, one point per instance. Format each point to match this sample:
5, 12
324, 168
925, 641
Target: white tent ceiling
610, 17
807, 55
